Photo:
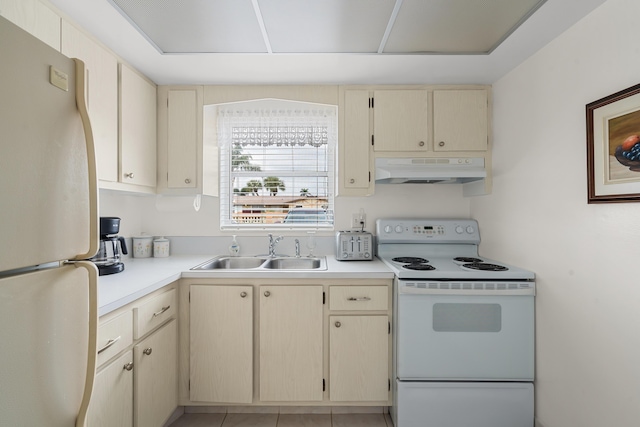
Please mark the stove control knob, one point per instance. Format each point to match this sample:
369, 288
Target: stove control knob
398, 229
387, 229
470, 229
459, 229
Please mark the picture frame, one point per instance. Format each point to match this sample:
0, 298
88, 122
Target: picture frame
613, 158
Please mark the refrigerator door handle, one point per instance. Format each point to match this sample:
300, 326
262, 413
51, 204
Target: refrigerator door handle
81, 103
92, 352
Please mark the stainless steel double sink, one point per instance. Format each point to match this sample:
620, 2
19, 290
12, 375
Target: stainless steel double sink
263, 263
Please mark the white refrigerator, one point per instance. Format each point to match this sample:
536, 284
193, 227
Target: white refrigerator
48, 225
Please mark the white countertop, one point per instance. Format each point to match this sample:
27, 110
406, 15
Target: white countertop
142, 276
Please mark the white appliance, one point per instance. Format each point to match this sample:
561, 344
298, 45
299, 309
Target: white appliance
48, 225
463, 328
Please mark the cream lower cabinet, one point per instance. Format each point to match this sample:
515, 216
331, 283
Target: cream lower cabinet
359, 358
137, 378
269, 342
291, 350
221, 344
112, 398
156, 377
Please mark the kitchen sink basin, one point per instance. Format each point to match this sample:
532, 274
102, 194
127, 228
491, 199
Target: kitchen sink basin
294, 264
231, 263
262, 263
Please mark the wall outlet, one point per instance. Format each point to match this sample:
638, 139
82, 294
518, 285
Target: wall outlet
359, 220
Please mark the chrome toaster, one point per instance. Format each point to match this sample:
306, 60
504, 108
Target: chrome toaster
354, 246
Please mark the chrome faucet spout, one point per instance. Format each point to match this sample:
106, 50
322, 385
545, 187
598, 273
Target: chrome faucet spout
272, 244
297, 248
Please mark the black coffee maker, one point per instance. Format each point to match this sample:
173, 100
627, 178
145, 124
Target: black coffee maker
108, 257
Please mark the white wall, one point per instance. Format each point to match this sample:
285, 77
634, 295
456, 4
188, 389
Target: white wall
141, 213
586, 257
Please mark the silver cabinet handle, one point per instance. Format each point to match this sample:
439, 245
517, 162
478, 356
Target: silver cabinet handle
421, 143
243, 294
358, 299
128, 175
187, 181
338, 324
147, 351
128, 366
441, 143
267, 293
109, 344
158, 313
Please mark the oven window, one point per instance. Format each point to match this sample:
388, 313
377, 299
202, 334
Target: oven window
467, 317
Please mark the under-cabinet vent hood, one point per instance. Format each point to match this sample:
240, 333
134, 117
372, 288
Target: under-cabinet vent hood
431, 170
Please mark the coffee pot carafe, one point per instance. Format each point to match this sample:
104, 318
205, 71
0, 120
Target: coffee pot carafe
108, 257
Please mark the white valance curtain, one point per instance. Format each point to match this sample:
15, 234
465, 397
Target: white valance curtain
276, 127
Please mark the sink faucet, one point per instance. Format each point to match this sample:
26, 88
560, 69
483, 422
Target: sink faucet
272, 244
297, 248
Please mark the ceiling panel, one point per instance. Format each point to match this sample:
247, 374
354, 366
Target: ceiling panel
321, 26
456, 26
192, 26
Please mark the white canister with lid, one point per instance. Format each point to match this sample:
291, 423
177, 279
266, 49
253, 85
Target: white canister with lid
142, 246
161, 247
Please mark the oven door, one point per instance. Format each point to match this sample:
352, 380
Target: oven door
464, 335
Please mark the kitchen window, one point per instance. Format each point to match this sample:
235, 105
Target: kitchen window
276, 164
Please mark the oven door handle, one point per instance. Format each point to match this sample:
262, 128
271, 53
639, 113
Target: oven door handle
410, 290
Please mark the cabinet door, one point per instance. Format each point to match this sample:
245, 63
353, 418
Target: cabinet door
359, 358
400, 120
355, 173
291, 343
221, 347
112, 398
460, 121
182, 122
156, 376
35, 18
102, 96
137, 129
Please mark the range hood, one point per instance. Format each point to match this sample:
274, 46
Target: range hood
430, 170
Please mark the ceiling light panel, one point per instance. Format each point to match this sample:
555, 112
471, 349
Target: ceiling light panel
322, 26
193, 26
456, 26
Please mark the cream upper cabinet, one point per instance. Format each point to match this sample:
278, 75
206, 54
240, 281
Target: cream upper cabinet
400, 120
291, 335
156, 378
359, 358
35, 18
221, 343
182, 130
355, 143
102, 96
460, 120
187, 160
137, 129
112, 398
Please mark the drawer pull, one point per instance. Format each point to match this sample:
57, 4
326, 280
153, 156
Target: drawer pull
338, 324
109, 344
158, 313
243, 294
147, 351
128, 366
358, 299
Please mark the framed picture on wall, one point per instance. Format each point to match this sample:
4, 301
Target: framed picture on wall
613, 148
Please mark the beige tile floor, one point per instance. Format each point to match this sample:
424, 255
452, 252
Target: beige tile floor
283, 420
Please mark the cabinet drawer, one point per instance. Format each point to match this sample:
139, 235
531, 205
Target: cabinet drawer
358, 298
114, 336
154, 312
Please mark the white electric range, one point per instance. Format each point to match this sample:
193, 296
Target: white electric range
463, 327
